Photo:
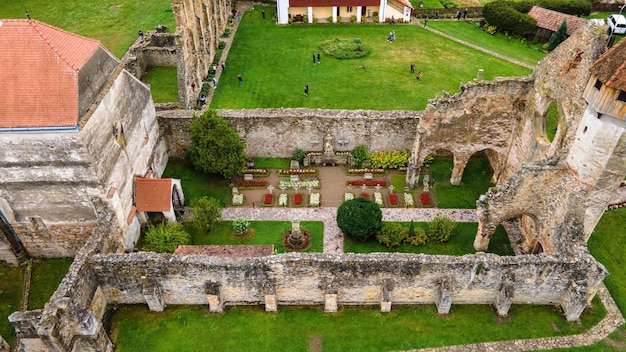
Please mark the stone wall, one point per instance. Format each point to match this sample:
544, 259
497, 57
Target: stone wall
278, 132
199, 26
485, 115
157, 49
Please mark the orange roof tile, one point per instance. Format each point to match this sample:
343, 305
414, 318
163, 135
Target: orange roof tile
552, 20
610, 68
39, 74
153, 194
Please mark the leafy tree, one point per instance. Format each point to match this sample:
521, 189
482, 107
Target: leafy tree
359, 218
240, 225
392, 234
558, 37
207, 212
165, 238
299, 155
360, 154
215, 146
440, 229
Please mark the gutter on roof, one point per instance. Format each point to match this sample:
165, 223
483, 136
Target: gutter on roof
39, 129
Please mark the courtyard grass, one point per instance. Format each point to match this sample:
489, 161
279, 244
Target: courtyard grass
46, 277
11, 285
272, 163
275, 63
475, 182
163, 83
461, 242
115, 24
245, 328
197, 184
265, 232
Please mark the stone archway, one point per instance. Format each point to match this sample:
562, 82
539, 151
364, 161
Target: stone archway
547, 120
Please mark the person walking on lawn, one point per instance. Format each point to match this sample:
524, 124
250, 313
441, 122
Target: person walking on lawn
419, 75
240, 79
306, 90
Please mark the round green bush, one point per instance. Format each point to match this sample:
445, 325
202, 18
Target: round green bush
359, 218
345, 49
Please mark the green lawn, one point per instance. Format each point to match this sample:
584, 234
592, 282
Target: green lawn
46, 277
163, 83
266, 232
272, 163
475, 182
526, 52
197, 184
115, 24
11, 284
250, 328
461, 242
275, 62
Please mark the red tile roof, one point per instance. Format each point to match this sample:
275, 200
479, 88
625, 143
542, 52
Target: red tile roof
228, 251
39, 74
552, 20
153, 194
328, 3
610, 68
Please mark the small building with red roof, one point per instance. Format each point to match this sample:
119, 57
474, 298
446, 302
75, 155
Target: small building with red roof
298, 10
159, 195
549, 21
75, 130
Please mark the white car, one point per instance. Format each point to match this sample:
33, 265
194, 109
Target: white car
617, 24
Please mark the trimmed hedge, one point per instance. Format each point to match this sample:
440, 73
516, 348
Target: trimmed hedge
507, 18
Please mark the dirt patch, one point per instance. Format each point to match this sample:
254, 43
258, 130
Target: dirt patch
315, 344
115, 7
249, 233
500, 320
618, 345
554, 327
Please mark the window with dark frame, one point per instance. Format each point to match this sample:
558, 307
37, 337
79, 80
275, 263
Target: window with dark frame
349, 9
598, 85
622, 96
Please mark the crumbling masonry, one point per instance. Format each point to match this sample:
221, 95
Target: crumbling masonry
556, 189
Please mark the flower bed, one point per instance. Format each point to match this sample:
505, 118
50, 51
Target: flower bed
348, 196
304, 172
364, 195
314, 200
252, 184
257, 172
355, 172
303, 184
393, 200
268, 200
282, 200
237, 199
378, 199
408, 200
298, 200
425, 199
368, 183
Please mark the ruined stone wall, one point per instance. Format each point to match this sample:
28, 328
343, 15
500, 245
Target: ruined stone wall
484, 116
199, 26
72, 319
278, 132
157, 49
299, 278
565, 184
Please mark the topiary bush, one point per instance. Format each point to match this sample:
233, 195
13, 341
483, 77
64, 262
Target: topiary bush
440, 229
240, 225
345, 49
359, 218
